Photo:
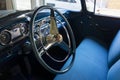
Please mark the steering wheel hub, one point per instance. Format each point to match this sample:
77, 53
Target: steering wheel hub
54, 38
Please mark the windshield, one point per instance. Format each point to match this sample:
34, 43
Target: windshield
19, 4
10, 6
31, 4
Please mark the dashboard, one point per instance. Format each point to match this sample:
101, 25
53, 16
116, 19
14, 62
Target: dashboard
14, 33
14, 36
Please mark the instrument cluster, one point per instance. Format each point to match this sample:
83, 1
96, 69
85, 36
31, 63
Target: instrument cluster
14, 34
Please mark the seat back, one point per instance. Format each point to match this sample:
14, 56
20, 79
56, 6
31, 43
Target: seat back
114, 51
113, 59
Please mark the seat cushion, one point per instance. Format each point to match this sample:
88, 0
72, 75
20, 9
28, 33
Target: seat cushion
114, 51
114, 72
90, 63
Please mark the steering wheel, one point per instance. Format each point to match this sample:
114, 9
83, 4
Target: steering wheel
45, 34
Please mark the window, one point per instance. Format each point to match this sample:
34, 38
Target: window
108, 8
22, 4
90, 5
26, 4
74, 5
95, 3
113, 4
104, 7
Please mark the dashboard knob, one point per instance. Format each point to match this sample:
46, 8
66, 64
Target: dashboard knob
5, 37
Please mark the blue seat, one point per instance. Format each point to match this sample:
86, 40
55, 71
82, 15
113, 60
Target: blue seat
94, 62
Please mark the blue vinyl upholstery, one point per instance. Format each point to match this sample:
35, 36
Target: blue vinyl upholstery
114, 72
114, 52
94, 62
90, 63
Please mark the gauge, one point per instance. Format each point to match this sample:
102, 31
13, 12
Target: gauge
5, 37
23, 28
16, 33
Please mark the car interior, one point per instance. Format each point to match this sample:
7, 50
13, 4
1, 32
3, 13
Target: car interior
59, 40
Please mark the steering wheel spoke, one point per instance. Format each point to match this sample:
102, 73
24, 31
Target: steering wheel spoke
63, 45
42, 52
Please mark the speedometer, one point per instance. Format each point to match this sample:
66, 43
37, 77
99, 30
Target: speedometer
5, 37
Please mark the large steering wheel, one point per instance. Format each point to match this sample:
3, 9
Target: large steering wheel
45, 34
